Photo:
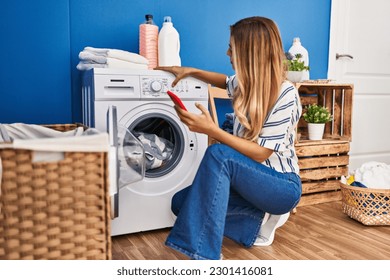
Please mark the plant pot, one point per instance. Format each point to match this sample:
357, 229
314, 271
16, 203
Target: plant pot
295, 76
316, 130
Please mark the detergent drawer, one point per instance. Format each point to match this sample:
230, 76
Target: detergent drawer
110, 87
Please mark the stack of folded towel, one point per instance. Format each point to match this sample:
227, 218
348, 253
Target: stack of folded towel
110, 58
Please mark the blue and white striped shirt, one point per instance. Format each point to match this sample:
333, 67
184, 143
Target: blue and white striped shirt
279, 129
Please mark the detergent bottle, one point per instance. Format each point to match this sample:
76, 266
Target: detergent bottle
298, 48
148, 41
168, 44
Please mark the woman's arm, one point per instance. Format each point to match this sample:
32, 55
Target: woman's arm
203, 123
248, 148
214, 78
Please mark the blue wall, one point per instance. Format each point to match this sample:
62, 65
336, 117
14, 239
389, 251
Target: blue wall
41, 39
35, 61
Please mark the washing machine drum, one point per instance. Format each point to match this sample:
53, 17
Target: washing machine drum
162, 140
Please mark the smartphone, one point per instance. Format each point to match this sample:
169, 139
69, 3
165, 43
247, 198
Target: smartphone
176, 100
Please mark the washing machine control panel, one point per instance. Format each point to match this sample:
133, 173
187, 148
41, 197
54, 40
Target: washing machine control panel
157, 86
153, 86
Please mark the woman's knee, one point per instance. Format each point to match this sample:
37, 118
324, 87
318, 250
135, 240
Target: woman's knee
178, 199
218, 151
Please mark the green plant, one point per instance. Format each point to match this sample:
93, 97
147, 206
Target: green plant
294, 63
317, 114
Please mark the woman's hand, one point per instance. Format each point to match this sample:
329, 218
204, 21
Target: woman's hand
178, 71
201, 123
208, 77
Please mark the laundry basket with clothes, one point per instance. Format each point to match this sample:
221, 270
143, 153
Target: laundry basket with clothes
55, 196
366, 194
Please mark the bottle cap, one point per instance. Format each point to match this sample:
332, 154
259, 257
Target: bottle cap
148, 17
167, 19
297, 41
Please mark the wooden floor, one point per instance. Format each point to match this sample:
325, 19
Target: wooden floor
317, 232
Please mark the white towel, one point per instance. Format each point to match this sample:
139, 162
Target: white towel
111, 63
127, 56
92, 57
110, 58
118, 63
83, 66
98, 51
118, 54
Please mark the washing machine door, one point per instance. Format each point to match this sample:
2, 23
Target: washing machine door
126, 158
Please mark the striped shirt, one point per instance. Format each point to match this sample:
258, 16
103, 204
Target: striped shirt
279, 129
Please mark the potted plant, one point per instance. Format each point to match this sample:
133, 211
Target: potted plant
295, 67
316, 116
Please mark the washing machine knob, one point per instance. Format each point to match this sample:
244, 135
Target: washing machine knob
155, 86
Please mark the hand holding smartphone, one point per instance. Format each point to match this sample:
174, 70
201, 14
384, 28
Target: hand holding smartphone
176, 100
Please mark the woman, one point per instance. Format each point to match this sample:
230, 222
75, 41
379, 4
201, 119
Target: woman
252, 171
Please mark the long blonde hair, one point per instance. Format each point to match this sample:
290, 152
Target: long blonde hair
257, 55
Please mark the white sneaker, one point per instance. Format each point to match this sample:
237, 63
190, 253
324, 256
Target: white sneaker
266, 217
267, 231
173, 216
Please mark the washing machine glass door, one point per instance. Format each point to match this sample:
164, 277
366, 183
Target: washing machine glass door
131, 157
126, 158
163, 141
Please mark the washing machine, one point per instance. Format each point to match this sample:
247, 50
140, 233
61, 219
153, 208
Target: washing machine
138, 105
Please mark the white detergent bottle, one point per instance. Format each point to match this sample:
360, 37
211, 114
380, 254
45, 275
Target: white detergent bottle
298, 48
168, 45
148, 37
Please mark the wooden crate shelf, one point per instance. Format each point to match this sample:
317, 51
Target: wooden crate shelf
321, 197
322, 163
338, 99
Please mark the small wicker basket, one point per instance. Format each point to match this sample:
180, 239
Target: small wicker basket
54, 210
369, 206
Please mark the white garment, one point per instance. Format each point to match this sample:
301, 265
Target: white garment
111, 63
117, 63
157, 149
118, 54
40, 138
82, 66
33, 131
374, 175
4, 137
110, 58
91, 57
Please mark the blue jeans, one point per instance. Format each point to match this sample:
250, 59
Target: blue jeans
229, 196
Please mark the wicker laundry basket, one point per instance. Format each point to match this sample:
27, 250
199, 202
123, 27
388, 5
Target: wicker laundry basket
369, 206
54, 210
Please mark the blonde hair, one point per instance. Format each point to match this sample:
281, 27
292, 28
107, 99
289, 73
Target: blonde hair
257, 55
